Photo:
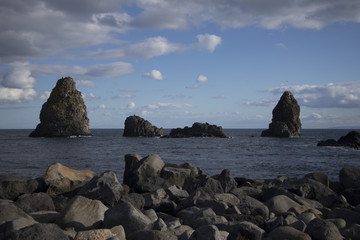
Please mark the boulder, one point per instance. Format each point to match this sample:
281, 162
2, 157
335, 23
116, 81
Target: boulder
128, 216
281, 204
61, 179
35, 202
350, 177
12, 186
64, 113
45, 216
226, 180
198, 130
210, 232
40, 231
151, 235
136, 126
287, 232
135, 199
352, 232
137, 171
351, 140
175, 174
286, 118
83, 214
105, 188
10, 212
102, 234
252, 206
323, 230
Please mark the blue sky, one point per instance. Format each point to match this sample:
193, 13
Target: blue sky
178, 62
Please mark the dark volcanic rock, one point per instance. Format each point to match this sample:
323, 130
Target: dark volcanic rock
198, 130
138, 127
352, 140
64, 113
286, 118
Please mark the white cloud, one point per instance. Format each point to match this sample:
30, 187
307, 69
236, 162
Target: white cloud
154, 74
16, 95
131, 105
19, 77
168, 105
89, 96
201, 79
86, 83
208, 41
124, 96
102, 106
45, 95
332, 95
280, 45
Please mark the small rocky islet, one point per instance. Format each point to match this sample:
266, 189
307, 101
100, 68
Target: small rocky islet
159, 200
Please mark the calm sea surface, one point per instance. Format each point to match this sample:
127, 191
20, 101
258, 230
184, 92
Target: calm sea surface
246, 154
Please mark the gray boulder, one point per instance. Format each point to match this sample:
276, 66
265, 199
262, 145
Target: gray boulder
40, 231
350, 177
128, 216
287, 232
83, 214
35, 202
176, 174
151, 235
226, 180
64, 113
136, 126
352, 232
286, 118
210, 232
105, 188
281, 204
10, 212
138, 171
12, 186
319, 229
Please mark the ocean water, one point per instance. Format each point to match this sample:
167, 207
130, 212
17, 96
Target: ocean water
246, 154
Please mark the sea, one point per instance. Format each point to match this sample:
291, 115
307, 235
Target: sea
245, 153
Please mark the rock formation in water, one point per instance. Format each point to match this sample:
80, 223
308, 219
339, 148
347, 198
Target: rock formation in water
351, 140
198, 130
64, 113
286, 118
136, 126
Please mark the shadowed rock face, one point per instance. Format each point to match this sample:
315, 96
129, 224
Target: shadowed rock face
136, 126
351, 140
198, 130
64, 113
286, 118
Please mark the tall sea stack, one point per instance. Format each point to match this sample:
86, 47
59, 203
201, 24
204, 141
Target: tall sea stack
286, 118
64, 113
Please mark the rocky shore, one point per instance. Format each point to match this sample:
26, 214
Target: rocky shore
159, 200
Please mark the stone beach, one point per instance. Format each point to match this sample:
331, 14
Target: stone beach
159, 200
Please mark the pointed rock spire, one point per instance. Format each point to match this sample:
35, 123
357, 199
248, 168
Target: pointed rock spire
64, 113
286, 118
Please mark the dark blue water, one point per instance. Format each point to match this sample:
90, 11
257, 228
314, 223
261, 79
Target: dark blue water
246, 154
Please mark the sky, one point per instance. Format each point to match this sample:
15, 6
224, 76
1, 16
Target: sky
179, 62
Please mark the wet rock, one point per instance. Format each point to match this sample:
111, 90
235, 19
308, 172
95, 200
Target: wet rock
319, 229
136, 126
286, 118
35, 202
105, 188
287, 232
12, 186
61, 179
198, 130
40, 231
83, 214
64, 113
128, 216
